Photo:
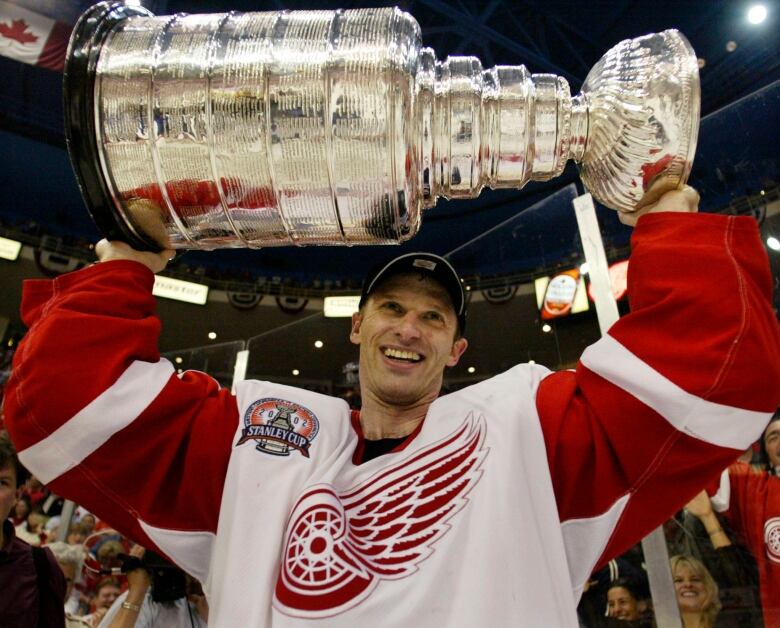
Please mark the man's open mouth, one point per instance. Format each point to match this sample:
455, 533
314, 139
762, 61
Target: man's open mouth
402, 356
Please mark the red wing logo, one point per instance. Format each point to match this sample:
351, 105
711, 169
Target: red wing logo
341, 545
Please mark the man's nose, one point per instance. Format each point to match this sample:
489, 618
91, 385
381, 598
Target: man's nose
409, 326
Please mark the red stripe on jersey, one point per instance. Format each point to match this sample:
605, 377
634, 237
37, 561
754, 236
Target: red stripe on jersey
707, 284
76, 356
596, 455
174, 454
700, 293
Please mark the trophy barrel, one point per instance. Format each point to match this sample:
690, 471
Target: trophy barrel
246, 129
336, 127
643, 102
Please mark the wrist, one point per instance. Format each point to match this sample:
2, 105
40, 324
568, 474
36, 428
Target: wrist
131, 606
136, 595
710, 521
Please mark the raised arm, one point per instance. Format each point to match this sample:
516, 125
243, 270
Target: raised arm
99, 417
701, 508
675, 390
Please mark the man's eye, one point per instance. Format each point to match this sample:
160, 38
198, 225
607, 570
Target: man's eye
434, 316
392, 306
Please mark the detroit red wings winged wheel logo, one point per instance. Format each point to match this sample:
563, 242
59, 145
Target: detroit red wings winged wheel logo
341, 545
772, 539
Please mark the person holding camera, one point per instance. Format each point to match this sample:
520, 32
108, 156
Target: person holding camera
157, 596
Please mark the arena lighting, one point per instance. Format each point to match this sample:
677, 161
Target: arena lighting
178, 359
340, 307
471, 369
756, 14
212, 335
296, 372
9, 249
584, 268
179, 290
731, 46
546, 328
773, 243
318, 344
531, 361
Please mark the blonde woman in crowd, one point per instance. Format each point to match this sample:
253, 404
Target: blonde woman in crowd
697, 592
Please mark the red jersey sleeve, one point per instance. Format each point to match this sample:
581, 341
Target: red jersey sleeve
100, 418
673, 393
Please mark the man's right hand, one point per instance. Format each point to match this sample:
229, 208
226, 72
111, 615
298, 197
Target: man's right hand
109, 251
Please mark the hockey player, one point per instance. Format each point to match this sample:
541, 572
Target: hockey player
488, 506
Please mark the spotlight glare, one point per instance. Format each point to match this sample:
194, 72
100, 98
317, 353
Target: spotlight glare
318, 344
731, 46
178, 359
296, 372
212, 335
531, 361
584, 268
773, 243
756, 14
471, 369
546, 328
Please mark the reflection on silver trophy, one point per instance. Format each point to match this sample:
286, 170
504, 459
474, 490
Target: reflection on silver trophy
337, 127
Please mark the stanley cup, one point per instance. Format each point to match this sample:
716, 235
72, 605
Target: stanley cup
337, 127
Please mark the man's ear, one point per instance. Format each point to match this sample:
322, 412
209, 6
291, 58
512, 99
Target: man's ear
354, 334
458, 348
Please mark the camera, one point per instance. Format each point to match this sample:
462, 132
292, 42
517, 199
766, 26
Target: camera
168, 581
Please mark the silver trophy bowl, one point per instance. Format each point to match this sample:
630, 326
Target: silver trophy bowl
338, 127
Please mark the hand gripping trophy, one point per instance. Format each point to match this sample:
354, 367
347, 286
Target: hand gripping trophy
337, 127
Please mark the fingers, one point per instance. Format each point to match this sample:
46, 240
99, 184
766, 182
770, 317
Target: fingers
682, 200
107, 251
138, 551
628, 218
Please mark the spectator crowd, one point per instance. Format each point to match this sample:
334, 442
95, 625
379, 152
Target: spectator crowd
87, 579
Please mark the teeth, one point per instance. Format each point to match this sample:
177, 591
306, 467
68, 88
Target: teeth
402, 355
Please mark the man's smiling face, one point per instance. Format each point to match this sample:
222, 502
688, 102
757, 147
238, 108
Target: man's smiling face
772, 443
407, 335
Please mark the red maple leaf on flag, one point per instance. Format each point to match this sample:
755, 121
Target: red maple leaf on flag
18, 31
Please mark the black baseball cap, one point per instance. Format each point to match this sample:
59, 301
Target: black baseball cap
427, 263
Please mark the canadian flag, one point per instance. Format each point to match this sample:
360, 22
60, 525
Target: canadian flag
32, 38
